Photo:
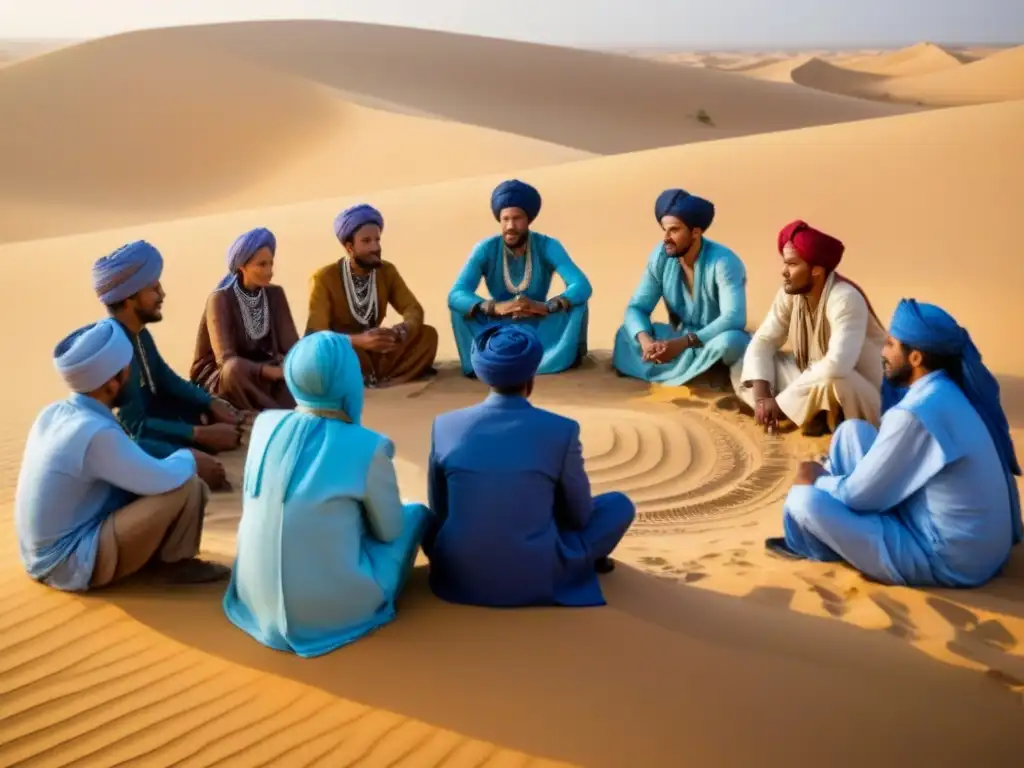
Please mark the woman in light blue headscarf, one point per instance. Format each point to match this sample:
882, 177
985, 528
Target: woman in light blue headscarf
325, 543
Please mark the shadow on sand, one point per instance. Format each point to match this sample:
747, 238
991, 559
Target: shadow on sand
666, 674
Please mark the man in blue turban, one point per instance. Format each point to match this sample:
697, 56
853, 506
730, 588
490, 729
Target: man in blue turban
929, 498
162, 411
517, 267
91, 506
352, 295
514, 522
246, 330
704, 286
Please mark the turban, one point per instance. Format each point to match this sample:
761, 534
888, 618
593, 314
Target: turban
928, 328
506, 355
515, 194
693, 211
245, 247
322, 371
348, 222
91, 356
126, 271
813, 246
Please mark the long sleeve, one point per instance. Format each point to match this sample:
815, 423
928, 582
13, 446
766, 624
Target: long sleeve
170, 383
577, 287
221, 324
645, 299
901, 460
319, 318
284, 325
404, 302
575, 505
731, 280
463, 296
759, 360
383, 502
114, 457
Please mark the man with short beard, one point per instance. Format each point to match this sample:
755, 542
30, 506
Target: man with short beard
161, 410
930, 498
834, 370
91, 506
704, 287
352, 295
517, 266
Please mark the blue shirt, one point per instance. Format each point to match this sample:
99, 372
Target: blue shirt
79, 467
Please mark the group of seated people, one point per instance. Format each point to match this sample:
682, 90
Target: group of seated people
918, 488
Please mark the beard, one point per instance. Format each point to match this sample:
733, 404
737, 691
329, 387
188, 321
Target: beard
794, 290
370, 261
899, 376
514, 240
148, 316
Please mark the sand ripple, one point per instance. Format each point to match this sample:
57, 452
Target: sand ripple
679, 465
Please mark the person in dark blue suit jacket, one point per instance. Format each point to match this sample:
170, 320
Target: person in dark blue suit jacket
514, 523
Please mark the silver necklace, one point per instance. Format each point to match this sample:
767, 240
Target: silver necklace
255, 312
516, 289
361, 293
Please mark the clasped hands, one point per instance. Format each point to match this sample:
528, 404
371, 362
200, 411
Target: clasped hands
380, 339
660, 352
520, 307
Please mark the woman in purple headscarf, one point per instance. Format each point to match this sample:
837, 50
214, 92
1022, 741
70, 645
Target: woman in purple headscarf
246, 330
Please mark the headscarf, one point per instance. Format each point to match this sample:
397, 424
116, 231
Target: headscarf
516, 194
244, 248
126, 271
323, 374
929, 328
693, 211
506, 355
349, 221
92, 355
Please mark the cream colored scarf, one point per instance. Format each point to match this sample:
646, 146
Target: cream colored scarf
819, 325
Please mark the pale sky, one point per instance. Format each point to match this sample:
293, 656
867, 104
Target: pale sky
683, 24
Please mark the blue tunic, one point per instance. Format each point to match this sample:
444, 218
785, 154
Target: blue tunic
716, 312
563, 334
325, 542
514, 522
79, 468
922, 501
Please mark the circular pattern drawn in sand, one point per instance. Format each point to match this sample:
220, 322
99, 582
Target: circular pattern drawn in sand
679, 466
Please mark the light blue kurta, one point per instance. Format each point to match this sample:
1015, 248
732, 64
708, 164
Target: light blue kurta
325, 542
563, 334
79, 467
922, 501
716, 312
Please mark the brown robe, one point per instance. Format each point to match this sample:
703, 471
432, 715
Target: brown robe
329, 311
227, 362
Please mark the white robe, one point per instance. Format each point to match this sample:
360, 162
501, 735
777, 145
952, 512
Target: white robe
847, 375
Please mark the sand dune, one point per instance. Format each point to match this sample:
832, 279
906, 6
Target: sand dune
814, 72
187, 130
725, 649
920, 59
999, 77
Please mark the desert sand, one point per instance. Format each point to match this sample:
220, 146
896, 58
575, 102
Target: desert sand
709, 653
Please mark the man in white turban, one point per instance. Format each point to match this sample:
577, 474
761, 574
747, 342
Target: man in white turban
91, 506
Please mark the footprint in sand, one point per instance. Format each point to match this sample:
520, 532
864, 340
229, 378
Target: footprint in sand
983, 642
902, 625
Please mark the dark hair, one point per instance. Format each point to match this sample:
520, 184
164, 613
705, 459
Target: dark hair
117, 306
930, 361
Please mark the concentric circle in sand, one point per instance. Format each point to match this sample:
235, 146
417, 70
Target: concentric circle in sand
678, 466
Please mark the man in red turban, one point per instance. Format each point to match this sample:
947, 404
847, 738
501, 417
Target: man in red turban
835, 368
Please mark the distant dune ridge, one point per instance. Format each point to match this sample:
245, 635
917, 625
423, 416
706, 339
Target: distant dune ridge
187, 137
